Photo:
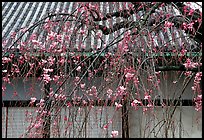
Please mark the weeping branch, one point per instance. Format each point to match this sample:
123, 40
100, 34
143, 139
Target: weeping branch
196, 33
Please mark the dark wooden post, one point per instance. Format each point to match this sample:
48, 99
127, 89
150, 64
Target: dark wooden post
47, 118
6, 122
125, 126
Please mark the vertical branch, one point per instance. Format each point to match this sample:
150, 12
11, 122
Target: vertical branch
180, 120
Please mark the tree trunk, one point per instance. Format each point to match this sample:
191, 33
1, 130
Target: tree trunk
125, 126
47, 118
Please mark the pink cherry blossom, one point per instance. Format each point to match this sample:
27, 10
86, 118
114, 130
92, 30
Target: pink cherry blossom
191, 12
184, 26
183, 51
33, 99
144, 109
46, 78
6, 59
196, 82
121, 91
69, 104
136, 81
147, 96
53, 46
129, 75
118, 106
185, 9
51, 93
6, 79
51, 60
65, 118
4, 71
44, 61
13, 34
37, 125
175, 82
3, 88
122, 88
77, 79
135, 104
93, 91
189, 64
62, 60
198, 102
168, 24
36, 42
149, 105
47, 70
33, 36
40, 104
56, 96
105, 126
109, 92
78, 68
114, 133
188, 73
56, 78
51, 36
193, 88
59, 38
82, 85
190, 26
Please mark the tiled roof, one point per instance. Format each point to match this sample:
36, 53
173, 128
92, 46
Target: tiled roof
17, 15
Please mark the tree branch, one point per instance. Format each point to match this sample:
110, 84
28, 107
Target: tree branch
197, 26
124, 13
116, 27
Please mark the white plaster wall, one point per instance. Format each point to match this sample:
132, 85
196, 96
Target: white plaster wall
169, 89
17, 123
92, 121
187, 123
140, 125
192, 123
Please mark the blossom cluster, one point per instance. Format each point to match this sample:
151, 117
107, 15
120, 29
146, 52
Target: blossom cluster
188, 26
129, 74
118, 106
92, 91
121, 91
198, 102
189, 64
114, 133
46, 76
135, 104
196, 82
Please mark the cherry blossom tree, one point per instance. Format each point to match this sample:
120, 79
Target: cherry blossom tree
148, 39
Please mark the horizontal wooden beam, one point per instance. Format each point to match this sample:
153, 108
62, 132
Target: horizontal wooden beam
177, 68
167, 102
